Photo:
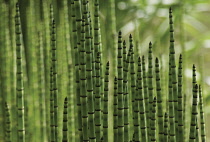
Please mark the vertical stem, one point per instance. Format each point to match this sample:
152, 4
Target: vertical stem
202, 118
143, 120
173, 71
150, 87
115, 113
159, 101
83, 81
180, 136
65, 121
8, 123
105, 110
120, 91
19, 85
166, 128
153, 121
192, 136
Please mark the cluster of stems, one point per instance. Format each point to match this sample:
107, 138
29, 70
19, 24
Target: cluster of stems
119, 99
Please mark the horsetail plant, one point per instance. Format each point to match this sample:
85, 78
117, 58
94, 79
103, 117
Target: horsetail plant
105, 110
19, 83
171, 109
192, 136
8, 123
54, 71
76, 63
77, 72
65, 121
135, 98
180, 103
52, 118
202, 120
166, 127
126, 61
98, 112
159, 101
146, 98
143, 120
173, 69
120, 90
83, 81
153, 121
89, 71
115, 113
150, 86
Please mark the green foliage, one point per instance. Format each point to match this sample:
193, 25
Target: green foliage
113, 94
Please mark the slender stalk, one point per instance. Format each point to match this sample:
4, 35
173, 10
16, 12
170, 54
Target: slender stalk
8, 123
115, 113
98, 99
52, 118
19, 83
126, 61
143, 120
150, 86
197, 131
89, 71
83, 81
134, 90
65, 121
153, 121
192, 136
159, 101
105, 110
146, 98
202, 118
54, 70
77, 75
173, 69
180, 135
166, 128
120, 91
171, 130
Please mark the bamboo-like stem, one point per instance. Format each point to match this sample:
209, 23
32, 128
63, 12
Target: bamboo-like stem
65, 121
126, 61
8, 123
159, 101
197, 130
180, 135
146, 98
98, 99
192, 136
105, 110
89, 71
77, 78
120, 91
173, 70
19, 83
153, 121
166, 127
54, 70
52, 118
134, 97
202, 118
171, 130
150, 86
83, 81
115, 113
143, 120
